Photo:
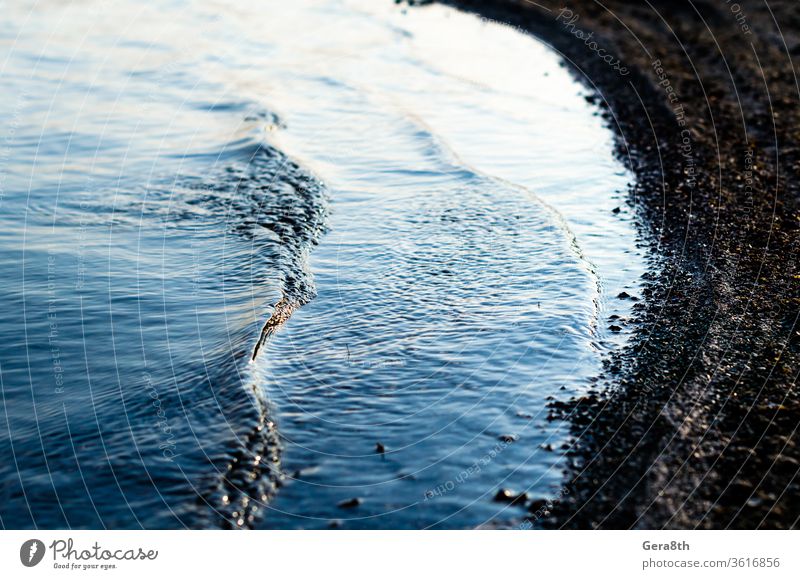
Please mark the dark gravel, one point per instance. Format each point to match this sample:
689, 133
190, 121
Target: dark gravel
695, 423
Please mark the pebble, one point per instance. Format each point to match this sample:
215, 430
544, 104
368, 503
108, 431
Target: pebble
350, 503
509, 496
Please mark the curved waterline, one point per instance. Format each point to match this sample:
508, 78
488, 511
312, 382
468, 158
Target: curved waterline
472, 257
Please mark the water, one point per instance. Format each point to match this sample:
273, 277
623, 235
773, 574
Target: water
241, 248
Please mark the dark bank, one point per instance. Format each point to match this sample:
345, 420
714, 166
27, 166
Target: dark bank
695, 424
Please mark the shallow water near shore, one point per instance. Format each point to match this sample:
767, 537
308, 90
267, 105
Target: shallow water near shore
421, 206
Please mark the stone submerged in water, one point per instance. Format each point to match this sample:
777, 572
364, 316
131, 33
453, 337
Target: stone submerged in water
350, 503
511, 497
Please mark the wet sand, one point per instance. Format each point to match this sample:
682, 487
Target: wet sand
694, 425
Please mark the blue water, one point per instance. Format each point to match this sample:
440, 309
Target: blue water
241, 249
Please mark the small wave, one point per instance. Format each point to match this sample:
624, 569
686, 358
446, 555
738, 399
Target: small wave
267, 192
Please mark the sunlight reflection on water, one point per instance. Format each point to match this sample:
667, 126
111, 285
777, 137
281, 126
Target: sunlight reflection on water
151, 223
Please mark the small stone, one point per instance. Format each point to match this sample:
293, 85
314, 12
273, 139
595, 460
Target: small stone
379, 448
614, 328
508, 438
350, 503
509, 496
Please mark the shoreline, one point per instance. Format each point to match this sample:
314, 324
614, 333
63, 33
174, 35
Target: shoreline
693, 424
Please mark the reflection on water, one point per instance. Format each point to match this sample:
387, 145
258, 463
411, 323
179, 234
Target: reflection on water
153, 224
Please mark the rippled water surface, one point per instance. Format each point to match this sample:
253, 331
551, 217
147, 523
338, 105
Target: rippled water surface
316, 263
